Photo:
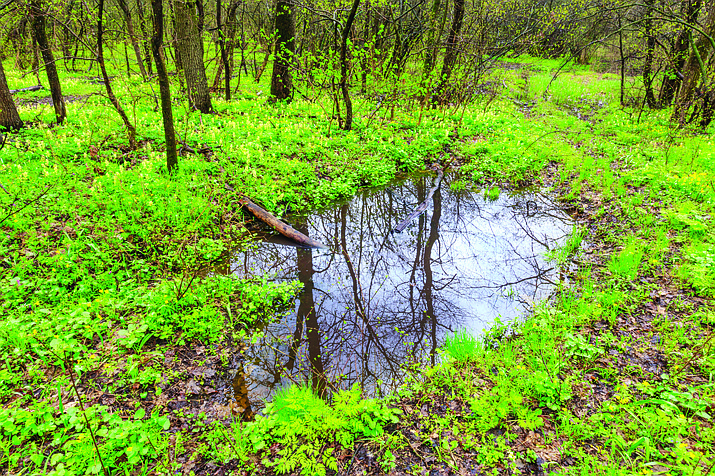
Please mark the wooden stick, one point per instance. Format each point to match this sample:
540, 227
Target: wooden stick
421, 208
282, 228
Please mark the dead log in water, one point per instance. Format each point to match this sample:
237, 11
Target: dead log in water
282, 228
421, 208
22, 90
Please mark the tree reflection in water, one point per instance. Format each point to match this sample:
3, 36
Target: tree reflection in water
377, 301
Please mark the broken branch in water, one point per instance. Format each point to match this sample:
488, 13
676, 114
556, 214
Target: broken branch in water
422, 207
282, 228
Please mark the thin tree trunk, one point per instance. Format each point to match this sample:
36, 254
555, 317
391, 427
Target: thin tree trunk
650, 50
217, 79
201, 15
224, 55
37, 14
262, 68
131, 131
191, 51
693, 70
281, 79
623, 62
450, 57
708, 109
674, 71
145, 41
36, 55
229, 35
348, 124
132, 36
431, 42
164, 90
9, 118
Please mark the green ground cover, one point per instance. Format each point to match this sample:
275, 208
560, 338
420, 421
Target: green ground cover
103, 285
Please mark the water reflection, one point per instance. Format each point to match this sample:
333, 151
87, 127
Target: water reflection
377, 300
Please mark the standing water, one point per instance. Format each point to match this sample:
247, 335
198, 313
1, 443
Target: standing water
377, 300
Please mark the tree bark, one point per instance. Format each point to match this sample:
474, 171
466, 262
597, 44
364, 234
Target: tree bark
650, 50
9, 118
201, 15
450, 57
131, 131
39, 24
623, 62
145, 42
191, 51
693, 70
132, 36
348, 124
164, 90
431, 42
36, 55
674, 71
281, 227
224, 53
282, 80
228, 31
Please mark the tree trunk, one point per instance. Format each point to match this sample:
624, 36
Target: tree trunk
229, 34
348, 124
132, 37
36, 55
201, 15
694, 69
282, 80
224, 53
145, 42
37, 14
623, 62
262, 68
674, 71
278, 225
650, 50
9, 118
450, 57
131, 131
431, 42
191, 51
708, 109
164, 90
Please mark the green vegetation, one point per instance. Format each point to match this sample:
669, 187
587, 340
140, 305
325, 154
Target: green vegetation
109, 275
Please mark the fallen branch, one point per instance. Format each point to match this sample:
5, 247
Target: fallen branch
22, 90
282, 228
422, 207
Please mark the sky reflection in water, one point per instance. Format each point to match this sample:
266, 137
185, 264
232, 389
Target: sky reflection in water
378, 300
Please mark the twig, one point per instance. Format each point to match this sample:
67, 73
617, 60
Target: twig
168, 469
27, 204
696, 353
84, 414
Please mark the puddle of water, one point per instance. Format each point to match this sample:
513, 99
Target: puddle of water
377, 301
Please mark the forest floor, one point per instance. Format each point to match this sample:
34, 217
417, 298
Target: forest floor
114, 341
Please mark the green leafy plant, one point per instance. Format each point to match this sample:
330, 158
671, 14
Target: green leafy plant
579, 346
627, 261
463, 346
562, 253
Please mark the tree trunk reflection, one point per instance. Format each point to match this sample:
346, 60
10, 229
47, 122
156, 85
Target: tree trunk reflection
379, 301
